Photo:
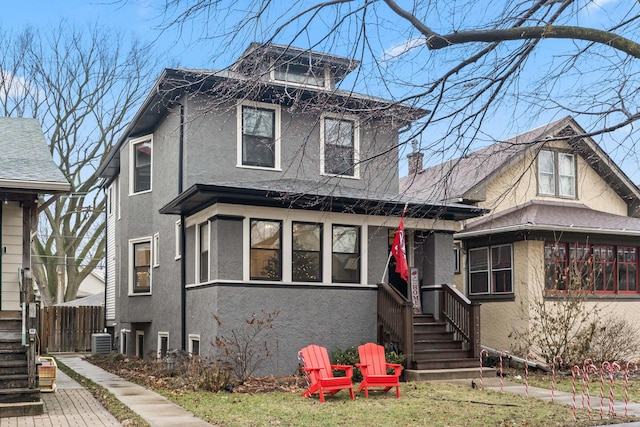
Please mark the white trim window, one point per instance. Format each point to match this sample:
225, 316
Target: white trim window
140, 344
265, 249
163, 345
258, 135
491, 270
155, 251
301, 75
178, 236
345, 254
203, 261
124, 340
194, 345
140, 266
556, 174
141, 165
339, 145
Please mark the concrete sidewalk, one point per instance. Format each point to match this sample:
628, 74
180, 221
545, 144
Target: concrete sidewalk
155, 409
71, 405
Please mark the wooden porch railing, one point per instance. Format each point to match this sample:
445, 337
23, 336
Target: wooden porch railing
395, 320
462, 315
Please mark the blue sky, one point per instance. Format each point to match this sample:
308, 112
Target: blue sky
140, 18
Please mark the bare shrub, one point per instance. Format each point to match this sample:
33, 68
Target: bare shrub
247, 348
615, 339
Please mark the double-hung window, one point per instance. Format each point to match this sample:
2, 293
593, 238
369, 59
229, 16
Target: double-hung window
556, 174
627, 269
339, 145
203, 252
491, 270
141, 164
259, 130
306, 260
140, 261
266, 249
345, 257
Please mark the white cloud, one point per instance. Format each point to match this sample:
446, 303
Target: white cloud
400, 49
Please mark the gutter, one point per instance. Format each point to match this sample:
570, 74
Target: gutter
535, 227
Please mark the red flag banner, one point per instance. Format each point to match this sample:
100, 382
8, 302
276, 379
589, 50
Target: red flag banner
399, 253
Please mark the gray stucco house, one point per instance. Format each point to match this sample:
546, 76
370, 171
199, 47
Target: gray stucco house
262, 187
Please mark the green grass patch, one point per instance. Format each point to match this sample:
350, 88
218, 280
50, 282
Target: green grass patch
421, 404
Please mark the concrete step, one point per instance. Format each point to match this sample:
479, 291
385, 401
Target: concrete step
21, 409
448, 374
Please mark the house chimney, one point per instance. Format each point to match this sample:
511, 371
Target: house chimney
415, 159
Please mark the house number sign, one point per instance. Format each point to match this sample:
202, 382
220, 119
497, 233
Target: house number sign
415, 290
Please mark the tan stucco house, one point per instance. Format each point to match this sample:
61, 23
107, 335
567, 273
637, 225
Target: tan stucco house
555, 200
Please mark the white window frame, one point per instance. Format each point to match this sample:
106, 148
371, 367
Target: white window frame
557, 186
178, 236
192, 338
132, 153
124, 341
159, 349
132, 242
277, 134
356, 143
325, 70
198, 252
155, 250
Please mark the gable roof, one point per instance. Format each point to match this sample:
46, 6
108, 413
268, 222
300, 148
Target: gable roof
539, 215
464, 178
26, 163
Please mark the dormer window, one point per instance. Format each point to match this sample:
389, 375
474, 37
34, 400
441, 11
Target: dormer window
299, 74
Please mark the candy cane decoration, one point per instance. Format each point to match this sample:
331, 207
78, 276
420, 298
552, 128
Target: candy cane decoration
553, 376
605, 368
574, 371
587, 381
503, 352
526, 372
585, 366
613, 367
486, 353
626, 384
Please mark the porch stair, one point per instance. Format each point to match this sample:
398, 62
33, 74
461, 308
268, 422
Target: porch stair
438, 355
16, 397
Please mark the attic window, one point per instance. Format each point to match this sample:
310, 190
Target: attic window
299, 74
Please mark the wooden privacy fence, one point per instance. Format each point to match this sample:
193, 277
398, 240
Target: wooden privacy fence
69, 329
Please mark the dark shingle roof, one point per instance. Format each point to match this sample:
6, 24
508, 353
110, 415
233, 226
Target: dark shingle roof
453, 179
556, 216
26, 161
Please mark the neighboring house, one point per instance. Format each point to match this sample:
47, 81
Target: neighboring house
262, 187
27, 172
562, 216
93, 284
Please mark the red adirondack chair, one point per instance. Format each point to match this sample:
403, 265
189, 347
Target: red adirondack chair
374, 369
320, 371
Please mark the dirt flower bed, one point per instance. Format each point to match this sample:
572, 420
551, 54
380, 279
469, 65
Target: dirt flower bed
191, 375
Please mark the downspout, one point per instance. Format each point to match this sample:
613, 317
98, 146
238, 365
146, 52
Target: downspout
106, 274
183, 255
1, 250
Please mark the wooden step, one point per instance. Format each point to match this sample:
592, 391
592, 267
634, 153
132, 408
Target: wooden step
420, 345
10, 336
21, 409
438, 354
450, 363
13, 367
14, 381
14, 395
19, 353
